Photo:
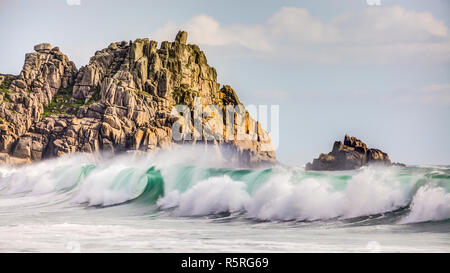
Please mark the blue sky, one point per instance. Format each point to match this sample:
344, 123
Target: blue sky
381, 73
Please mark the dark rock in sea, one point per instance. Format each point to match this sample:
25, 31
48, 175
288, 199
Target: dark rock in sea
350, 155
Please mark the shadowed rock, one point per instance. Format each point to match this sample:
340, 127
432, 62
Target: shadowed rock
350, 155
181, 37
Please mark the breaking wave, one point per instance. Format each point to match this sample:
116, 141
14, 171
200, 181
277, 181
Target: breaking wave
186, 183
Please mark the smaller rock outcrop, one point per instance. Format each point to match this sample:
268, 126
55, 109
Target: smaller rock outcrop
350, 155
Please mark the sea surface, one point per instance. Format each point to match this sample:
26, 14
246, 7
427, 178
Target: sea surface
190, 201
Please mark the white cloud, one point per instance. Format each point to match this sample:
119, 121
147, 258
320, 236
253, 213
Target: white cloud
168, 31
374, 35
390, 25
297, 25
204, 29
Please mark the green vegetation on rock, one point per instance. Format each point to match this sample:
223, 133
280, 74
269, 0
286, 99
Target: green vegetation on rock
6, 83
5, 92
62, 103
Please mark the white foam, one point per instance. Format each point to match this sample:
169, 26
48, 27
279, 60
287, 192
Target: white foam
103, 186
212, 196
111, 185
44, 177
373, 190
310, 199
376, 190
430, 203
288, 193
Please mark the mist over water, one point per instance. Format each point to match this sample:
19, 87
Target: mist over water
189, 200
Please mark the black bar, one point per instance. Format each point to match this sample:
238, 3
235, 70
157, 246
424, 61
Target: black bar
223, 262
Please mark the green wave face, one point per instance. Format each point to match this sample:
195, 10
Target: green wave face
279, 193
154, 187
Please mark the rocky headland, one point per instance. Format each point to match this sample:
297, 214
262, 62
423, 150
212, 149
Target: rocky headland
350, 155
121, 101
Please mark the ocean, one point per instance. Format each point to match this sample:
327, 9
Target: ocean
188, 201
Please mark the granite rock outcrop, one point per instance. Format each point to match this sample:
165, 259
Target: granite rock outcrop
123, 100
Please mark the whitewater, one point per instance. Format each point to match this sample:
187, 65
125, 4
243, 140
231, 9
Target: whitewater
189, 200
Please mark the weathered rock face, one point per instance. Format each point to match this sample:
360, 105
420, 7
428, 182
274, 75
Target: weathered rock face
23, 97
350, 155
122, 100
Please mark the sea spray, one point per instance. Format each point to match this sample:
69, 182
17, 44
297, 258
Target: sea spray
191, 186
212, 196
429, 204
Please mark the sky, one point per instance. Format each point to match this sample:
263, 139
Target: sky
375, 69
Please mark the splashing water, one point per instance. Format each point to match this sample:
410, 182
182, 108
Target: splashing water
131, 196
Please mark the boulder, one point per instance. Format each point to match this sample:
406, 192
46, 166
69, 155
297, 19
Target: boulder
349, 155
43, 48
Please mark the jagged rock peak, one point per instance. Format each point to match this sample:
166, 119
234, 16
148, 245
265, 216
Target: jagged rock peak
181, 37
23, 98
